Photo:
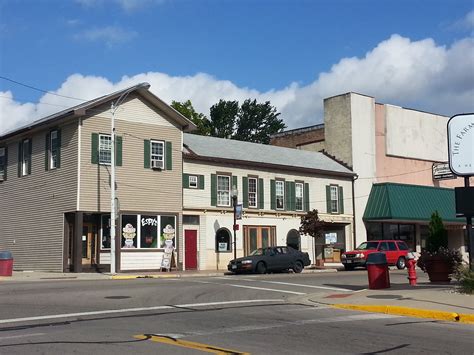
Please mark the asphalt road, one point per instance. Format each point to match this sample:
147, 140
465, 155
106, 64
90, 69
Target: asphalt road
264, 314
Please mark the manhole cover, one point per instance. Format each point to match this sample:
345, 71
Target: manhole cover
117, 297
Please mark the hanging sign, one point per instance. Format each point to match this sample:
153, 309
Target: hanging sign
461, 144
238, 211
441, 171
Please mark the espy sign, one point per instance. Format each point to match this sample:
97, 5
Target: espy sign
461, 144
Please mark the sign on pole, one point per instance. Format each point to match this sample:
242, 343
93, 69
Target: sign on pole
461, 144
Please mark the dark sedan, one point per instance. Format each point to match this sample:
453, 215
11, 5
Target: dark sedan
270, 259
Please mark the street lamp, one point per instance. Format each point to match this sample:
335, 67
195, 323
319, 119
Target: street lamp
234, 202
113, 107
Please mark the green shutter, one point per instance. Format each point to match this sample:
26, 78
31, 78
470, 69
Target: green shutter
169, 156
272, 195
213, 190
234, 183
146, 154
293, 195
20, 154
261, 201
245, 191
306, 197
341, 199
30, 151
95, 148
58, 149
328, 199
46, 151
185, 181
287, 196
4, 163
118, 150
201, 182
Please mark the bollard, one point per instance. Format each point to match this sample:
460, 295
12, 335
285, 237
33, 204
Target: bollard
411, 263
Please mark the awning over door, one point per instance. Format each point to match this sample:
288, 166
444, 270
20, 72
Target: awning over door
390, 201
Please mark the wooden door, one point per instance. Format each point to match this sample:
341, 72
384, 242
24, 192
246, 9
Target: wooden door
89, 233
190, 249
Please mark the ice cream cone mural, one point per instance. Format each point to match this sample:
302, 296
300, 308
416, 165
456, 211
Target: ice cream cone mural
168, 236
129, 234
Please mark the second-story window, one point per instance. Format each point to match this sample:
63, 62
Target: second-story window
53, 157
3, 167
157, 156
280, 194
334, 199
223, 190
299, 196
105, 149
252, 192
193, 181
25, 157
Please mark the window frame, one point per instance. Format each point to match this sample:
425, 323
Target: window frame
25, 156
53, 150
282, 183
194, 177
218, 199
297, 199
252, 192
335, 189
101, 149
157, 155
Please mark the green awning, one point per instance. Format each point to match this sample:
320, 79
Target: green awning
410, 202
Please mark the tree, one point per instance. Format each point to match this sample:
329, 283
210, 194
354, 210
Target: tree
187, 110
257, 122
313, 226
223, 119
438, 235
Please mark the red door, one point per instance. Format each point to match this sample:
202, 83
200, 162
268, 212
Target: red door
190, 249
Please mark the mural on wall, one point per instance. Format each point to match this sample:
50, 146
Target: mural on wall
168, 231
129, 234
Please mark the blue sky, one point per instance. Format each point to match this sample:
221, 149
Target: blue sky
291, 52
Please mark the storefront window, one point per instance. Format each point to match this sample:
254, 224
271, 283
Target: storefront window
405, 232
148, 231
167, 229
105, 235
223, 241
129, 231
374, 231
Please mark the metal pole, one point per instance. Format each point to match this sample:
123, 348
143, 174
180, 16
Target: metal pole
234, 200
112, 195
470, 236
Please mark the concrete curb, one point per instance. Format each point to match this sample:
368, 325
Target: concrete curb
410, 312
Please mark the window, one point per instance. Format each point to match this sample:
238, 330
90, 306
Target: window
142, 231
3, 159
402, 246
383, 246
25, 158
223, 241
252, 192
157, 154
193, 181
280, 194
223, 190
148, 231
334, 199
392, 246
105, 149
128, 231
299, 196
54, 147
105, 232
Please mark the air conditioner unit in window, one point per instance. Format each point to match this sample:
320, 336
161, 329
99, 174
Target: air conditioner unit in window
157, 164
1, 177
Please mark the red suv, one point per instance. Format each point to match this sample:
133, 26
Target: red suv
395, 250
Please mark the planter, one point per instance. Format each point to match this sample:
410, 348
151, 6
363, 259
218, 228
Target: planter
439, 269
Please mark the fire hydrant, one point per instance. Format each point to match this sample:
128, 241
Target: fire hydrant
411, 263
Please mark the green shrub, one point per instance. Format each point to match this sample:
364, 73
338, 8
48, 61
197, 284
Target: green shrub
465, 276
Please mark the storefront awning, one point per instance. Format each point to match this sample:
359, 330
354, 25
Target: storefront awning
390, 201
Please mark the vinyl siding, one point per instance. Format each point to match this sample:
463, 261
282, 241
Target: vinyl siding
32, 207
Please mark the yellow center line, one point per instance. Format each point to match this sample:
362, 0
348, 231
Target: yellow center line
189, 344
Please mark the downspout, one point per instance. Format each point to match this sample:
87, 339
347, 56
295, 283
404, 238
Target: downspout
353, 213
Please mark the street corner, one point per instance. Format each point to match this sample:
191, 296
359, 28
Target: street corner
409, 312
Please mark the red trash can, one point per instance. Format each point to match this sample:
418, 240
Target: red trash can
6, 263
377, 271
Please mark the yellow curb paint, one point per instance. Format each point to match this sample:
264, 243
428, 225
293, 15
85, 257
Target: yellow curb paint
188, 344
410, 312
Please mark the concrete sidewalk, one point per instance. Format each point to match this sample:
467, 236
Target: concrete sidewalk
426, 300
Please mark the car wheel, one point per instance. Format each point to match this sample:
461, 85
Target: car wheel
348, 267
298, 267
401, 263
261, 268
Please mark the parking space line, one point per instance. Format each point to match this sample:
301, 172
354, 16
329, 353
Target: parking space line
267, 289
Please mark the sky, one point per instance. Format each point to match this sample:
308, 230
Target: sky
417, 54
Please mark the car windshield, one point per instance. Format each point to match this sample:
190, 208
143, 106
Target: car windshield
257, 252
368, 246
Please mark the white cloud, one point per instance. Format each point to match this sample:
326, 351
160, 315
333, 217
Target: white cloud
110, 35
415, 74
466, 23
